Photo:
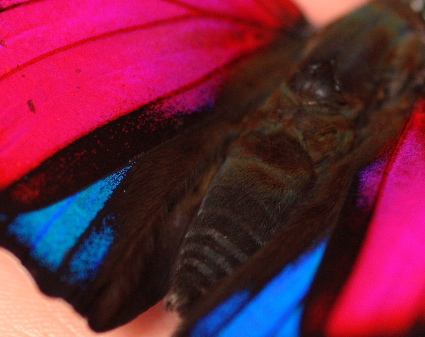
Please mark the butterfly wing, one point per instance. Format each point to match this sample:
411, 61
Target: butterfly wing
390, 263
86, 88
116, 56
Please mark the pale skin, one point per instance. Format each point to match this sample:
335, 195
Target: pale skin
25, 312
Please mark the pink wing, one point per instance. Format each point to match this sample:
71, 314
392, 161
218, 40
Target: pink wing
385, 293
68, 68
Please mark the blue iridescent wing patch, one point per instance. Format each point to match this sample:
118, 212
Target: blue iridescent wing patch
59, 238
263, 315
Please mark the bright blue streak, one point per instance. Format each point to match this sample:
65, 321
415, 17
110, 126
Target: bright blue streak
52, 231
274, 311
292, 325
90, 255
215, 320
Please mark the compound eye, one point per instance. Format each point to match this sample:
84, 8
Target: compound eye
316, 84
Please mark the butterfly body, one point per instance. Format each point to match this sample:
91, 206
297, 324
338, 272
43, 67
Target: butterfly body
349, 99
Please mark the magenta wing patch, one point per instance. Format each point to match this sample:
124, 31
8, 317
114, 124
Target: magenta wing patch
72, 68
384, 294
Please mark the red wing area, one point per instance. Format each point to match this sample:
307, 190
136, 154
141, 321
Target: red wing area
272, 13
385, 293
68, 68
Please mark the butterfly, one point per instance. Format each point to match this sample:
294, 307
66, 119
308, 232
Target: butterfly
211, 198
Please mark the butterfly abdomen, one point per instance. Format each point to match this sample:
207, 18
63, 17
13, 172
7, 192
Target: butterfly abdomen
265, 173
